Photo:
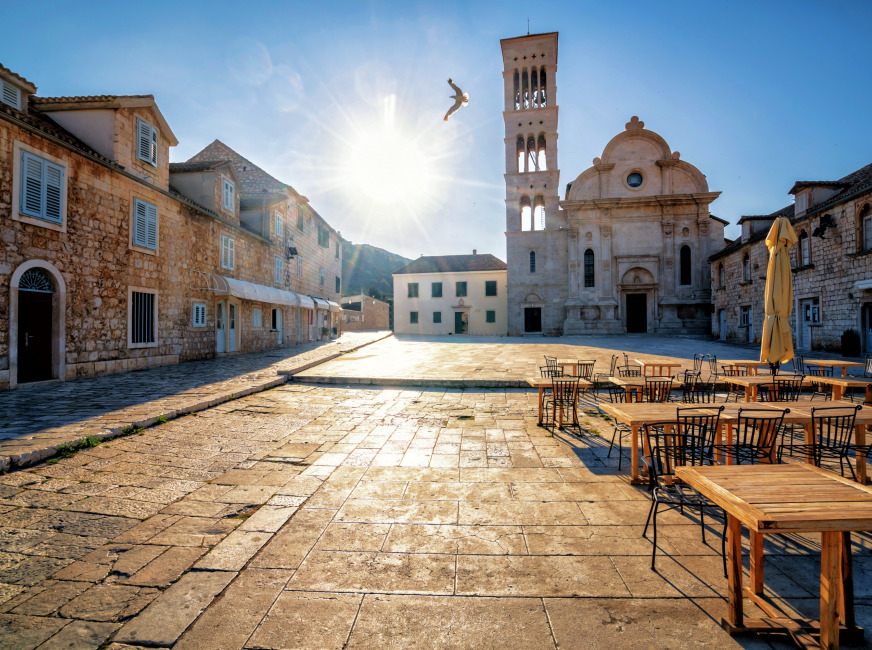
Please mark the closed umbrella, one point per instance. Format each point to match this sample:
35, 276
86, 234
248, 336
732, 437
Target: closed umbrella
777, 343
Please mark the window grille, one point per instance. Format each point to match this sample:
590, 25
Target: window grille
36, 280
532, 261
142, 317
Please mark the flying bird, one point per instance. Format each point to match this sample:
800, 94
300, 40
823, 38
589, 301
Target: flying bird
460, 99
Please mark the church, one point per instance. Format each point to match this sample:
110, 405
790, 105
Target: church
626, 249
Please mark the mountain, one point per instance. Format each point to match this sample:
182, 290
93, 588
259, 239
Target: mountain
366, 267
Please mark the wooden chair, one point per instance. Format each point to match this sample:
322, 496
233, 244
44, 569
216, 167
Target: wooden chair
563, 400
754, 436
618, 395
833, 436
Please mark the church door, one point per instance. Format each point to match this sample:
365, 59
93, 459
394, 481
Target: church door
532, 319
34, 335
637, 313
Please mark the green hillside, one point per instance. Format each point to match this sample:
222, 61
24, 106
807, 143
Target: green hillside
366, 269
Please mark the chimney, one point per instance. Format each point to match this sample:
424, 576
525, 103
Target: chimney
474, 252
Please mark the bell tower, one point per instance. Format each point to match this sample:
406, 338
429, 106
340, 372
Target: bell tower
535, 225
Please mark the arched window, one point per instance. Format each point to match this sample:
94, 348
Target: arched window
866, 224
522, 154
517, 86
684, 261
538, 213
532, 261
531, 154
534, 85
721, 275
746, 268
541, 147
588, 268
543, 96
803, 252
525, 88
526, 214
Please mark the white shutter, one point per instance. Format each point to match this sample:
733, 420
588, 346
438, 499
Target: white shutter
151, 226
278, 270
31, 185
229, 189
279, 225
11, 95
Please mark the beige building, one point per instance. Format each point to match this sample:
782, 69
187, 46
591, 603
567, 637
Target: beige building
114, 259
451, 294
832, 269
627, 248
362, 312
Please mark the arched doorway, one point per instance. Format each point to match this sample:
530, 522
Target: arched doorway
36, 324
638, 290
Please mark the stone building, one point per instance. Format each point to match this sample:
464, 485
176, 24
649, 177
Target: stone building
832, 267
627, 248
451, 294
362, 312
107, 266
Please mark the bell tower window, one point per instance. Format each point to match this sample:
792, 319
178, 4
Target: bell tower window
526, 214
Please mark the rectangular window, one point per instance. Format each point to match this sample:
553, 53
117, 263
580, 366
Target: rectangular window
228, 253
338, 284
323, 237
321, 274
437, 316
11, 95
490, 316
811, 310
436, 290
490, 288
277, 270
42, 184
229, 191
745, 316
413, 317
413, 289
299, 267
867, 232
280, 227
276, 320
142, 313
199, 314
337, 249
589, 277
460, 289
146, 142
256, 317
300, 217
144, 224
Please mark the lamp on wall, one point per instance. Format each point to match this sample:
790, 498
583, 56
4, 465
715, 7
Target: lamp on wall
693, 295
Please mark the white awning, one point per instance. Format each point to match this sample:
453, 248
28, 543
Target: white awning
224, 286
306, 302
863, 285
334, 306
321, 304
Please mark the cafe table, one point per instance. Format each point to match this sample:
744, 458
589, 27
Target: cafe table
751, 367
636, 385
839, 384
834, 363
659, 367
778, 499
541, 383
573, 364
753, 382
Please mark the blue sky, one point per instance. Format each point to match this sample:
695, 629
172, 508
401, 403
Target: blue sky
756, 94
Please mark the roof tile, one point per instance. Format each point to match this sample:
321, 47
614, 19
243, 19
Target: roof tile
452, 264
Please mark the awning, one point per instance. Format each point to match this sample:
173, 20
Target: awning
224, 286
321, 304
334, 306
306, 302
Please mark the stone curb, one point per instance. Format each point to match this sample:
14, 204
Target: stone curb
412, 382
35, 456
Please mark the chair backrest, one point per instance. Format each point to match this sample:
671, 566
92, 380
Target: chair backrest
703, 422
755, 434
629, 371
697, 362
713, 363
833, 427
672, 445
735, 371
614, 365
658, 390
545, 371
585, 369
617, 394
788, 389
551, 362
564, 389
798, 364
696, 391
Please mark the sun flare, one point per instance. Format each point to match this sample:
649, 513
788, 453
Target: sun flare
389, 166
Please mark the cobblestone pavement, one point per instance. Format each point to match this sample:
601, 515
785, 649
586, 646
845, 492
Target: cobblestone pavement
34, 420
482, 361
329, 517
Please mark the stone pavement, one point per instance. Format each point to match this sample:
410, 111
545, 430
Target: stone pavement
35, 420
470, 361
329, 517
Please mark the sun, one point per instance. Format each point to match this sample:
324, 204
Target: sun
388, 167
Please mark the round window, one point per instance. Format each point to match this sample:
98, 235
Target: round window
634, 179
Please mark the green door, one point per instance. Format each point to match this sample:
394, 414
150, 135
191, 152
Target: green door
459, 322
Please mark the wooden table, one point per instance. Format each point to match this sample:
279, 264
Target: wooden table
660, 367
573, 363
788, 499
834, 363
636, 385
548, 382
751, 367
752, 383
839, 384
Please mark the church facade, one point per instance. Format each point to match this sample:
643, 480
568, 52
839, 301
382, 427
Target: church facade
627, 248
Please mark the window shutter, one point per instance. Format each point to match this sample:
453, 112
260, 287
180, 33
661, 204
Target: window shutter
53, 196
31, 185
146, 142
140, 218
11, 95
231, 252
151, 226
153, 146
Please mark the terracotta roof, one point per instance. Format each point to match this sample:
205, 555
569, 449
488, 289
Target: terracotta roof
799, 185
452, 264
786, 211
15, 77
188, 167
857, 181
87, 99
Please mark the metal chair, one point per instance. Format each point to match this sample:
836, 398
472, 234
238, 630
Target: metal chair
696, 391
584, 368
658, 390
600, 379
563, 400
818, 371
833, 428
754, 436
551, 362
704, 423
785, 389
798, 364
697, 363
629, 371
732, 392
618, 395
675, 444
712, 360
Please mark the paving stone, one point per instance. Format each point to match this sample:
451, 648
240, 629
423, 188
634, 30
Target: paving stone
234, 551
163, 622
468, 540
32, 570
293, 542
392, 511
27, 632
353, 537
195, 531
56, 595
81, 634
305, 619
108, 603
166, 568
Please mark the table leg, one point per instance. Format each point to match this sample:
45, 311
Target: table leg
831, 547
846, 598
756, 562
808, 429
860, 441
634, 453
747, 393
844, 371
728, 457
735, 617
541, 400
837, 393
719, 440
869, 393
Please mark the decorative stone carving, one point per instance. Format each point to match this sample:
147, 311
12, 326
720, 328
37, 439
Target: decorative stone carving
635, 124
588, 236
606, 231
668, 262
685, 232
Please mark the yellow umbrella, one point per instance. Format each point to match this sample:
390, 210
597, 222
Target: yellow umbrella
777, 343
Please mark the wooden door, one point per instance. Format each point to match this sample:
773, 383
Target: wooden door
231, 326
34, 335
219, 328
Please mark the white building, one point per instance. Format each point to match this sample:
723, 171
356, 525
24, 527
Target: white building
451, 294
